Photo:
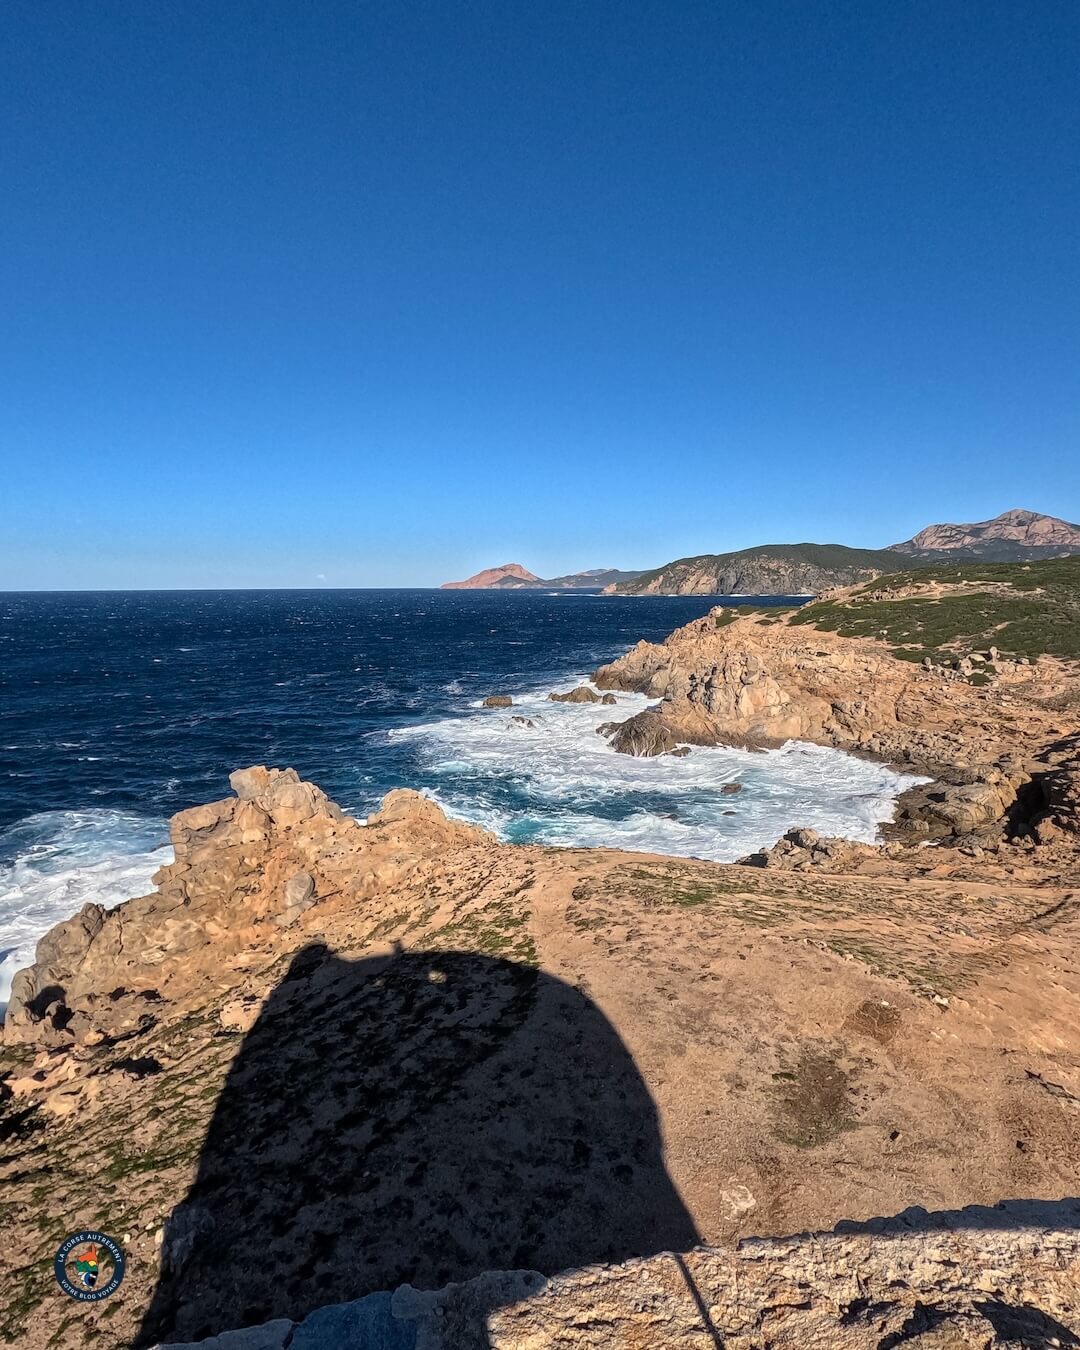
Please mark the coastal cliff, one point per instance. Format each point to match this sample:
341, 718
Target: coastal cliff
892, 670
317, 1027
775, 569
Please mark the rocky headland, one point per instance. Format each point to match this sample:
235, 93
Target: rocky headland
997, 731
809, 569
772, 569
514, 577
327, 1059
492, 576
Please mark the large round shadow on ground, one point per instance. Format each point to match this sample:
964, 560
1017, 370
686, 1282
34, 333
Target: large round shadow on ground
418, 1118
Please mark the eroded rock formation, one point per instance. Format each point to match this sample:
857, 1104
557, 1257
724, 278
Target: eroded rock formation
245, 869
502, 1058
757, 682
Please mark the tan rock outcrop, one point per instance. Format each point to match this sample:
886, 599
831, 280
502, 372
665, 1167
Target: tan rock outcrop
269, 858
757, 682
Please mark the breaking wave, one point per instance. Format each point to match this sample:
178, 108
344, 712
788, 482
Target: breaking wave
53, 863
558, 782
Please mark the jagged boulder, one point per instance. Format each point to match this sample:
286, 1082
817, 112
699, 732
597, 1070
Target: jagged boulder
407, 817
36, 1008
298, 896
803, 849
944, 810
246, 871
644, 734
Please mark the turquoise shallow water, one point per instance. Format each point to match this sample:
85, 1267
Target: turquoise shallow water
118, 709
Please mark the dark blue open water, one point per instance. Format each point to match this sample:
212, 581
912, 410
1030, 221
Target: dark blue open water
117, 709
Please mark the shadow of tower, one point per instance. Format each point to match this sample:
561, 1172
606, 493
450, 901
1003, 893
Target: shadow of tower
414, 1119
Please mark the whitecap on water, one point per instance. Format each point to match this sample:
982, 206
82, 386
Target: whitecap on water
53, 863
559, 782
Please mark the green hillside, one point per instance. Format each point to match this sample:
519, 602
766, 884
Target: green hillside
1023, 609
769, 569
815, 555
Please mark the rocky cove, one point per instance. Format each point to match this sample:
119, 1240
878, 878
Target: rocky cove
566, 1063
996, 753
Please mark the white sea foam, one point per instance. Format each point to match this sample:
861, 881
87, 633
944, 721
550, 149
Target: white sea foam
55, 862
558, 782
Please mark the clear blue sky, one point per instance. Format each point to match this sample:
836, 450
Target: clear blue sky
383, 291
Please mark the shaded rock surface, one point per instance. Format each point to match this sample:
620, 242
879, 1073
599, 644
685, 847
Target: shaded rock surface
644, 734
1006, 1277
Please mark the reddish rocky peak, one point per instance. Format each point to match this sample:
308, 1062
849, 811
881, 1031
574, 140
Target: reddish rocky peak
1027, 528
489, 577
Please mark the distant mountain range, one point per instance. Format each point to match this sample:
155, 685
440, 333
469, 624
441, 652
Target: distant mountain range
514, 577
808, 569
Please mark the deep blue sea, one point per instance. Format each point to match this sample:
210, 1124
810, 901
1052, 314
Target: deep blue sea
117, 709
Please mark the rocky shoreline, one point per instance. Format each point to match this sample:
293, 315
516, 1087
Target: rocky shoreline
500, 1058
1003, 761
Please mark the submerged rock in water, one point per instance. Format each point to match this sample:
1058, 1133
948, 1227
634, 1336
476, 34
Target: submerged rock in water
644, 734
498, 701
582, 694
